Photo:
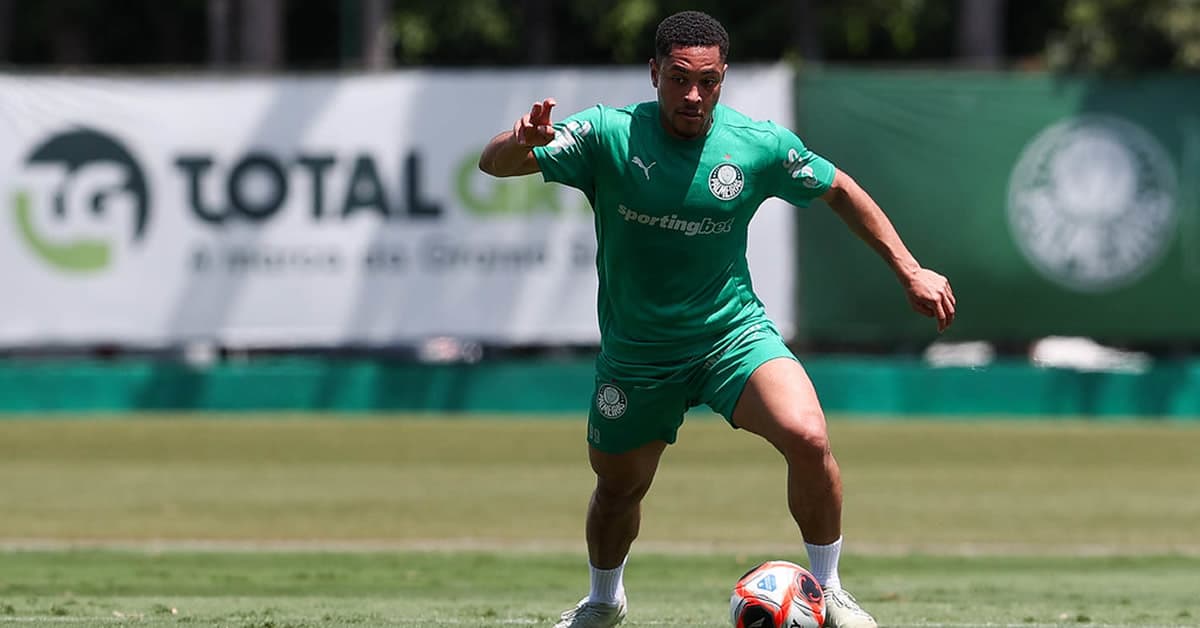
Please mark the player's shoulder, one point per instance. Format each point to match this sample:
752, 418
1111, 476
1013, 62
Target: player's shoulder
744, 124
609, 112
615, 119
766, 135
631, 113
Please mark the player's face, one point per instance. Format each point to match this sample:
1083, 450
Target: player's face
689, 86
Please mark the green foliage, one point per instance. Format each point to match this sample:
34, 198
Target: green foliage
1067, 35
1123, 36
1180, 22
888, 29
625, 24
456, 31
1071, 35
489, 32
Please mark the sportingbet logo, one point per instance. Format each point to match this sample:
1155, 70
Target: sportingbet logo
80, 194
706, 226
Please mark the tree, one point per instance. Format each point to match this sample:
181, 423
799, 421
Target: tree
1127, 36
262, 34
218, 18
1066, 35
6, 14
981, 32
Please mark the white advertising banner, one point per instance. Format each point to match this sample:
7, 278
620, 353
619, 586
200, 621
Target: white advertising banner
312, 211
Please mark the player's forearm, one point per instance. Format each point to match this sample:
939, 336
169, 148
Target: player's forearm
867, 220
503, 156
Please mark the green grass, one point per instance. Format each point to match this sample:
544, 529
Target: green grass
421, 521
435, 589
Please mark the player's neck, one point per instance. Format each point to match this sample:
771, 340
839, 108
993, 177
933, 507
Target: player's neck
665, 125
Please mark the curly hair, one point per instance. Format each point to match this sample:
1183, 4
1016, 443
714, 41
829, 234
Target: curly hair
690, 28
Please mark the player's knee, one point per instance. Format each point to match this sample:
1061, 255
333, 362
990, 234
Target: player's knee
804, 436
619, 494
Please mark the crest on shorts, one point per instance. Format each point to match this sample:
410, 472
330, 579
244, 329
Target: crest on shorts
726, 181
611, 401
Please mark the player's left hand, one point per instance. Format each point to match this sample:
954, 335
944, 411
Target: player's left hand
929, 293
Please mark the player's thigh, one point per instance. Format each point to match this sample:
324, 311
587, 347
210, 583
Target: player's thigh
780, 404
728, 374
628, 413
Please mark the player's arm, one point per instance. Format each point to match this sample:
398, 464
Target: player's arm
928, 292
510, 153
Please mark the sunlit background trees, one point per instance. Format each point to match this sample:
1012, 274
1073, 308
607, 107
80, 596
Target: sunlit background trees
1077, 35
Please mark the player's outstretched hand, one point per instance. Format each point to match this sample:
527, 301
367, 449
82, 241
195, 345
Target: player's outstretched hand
929, 293
534, 128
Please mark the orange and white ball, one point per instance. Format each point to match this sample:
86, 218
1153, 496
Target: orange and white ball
777, 594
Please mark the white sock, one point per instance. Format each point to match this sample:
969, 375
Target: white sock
823, 561
608, 585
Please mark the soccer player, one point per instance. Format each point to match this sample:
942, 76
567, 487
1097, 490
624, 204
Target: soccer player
673, 184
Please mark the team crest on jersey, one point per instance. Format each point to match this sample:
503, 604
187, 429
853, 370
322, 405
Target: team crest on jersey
726, 181
611, 401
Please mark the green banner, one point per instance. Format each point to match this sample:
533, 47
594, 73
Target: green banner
1054, 205
856, 385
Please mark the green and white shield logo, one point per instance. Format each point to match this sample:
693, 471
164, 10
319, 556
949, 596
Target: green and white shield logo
1091, 202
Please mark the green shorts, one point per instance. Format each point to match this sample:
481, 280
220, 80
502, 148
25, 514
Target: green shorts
634, 404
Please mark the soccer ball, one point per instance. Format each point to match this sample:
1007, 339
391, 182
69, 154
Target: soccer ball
777, 594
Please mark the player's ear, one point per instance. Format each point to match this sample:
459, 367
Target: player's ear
654, 72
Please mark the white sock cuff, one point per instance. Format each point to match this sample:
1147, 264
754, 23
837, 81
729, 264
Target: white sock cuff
823, 563
607, 584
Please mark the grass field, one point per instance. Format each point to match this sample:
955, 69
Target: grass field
452, 521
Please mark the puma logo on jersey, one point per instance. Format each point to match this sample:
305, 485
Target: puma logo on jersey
646, 169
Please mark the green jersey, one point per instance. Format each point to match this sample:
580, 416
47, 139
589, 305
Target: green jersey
671, 220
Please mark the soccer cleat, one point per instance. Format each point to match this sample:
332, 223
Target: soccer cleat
843, 611
589, 615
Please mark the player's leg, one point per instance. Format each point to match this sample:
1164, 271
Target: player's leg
614, 513
779, 403
756, 383
630, 424
614, 516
